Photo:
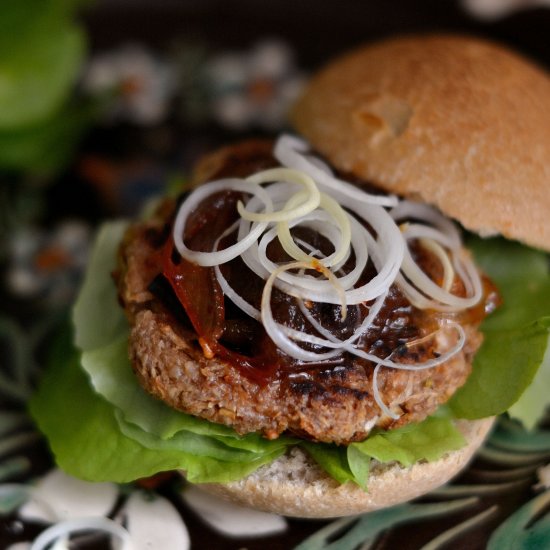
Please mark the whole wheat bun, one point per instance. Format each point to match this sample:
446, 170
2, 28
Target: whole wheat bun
457, 122
296, 486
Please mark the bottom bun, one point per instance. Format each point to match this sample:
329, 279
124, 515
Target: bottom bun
294, 485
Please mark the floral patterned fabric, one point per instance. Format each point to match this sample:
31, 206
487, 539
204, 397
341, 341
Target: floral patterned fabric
112, 128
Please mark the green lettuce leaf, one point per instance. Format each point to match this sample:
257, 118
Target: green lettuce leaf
333, 460
531, 406
510, 371
189, 442
359, 465
504, 368
87, 442
523, 279
428, 440
97, 320
112, 377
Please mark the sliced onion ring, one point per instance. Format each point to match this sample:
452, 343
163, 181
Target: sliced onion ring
338, 214
291, 151
273, 329
311, 199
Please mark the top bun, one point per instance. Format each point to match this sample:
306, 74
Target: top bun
453, 121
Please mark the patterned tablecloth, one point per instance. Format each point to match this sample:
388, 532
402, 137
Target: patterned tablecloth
122, 99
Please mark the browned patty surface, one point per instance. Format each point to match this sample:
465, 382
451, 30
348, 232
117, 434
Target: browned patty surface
331, 403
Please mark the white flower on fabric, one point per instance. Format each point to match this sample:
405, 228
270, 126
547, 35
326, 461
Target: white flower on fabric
153, 522
229, 519
48, 264
140, 85
72, 507
254, 88
495, 9
57, 497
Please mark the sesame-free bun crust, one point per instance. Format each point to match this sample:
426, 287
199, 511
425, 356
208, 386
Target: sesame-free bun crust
295, 486
457, 122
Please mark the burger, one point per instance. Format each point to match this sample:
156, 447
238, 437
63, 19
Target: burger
306, 330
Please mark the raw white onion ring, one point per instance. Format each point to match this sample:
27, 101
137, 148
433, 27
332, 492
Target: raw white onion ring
328, 204
276, 331
291, 151
310, 202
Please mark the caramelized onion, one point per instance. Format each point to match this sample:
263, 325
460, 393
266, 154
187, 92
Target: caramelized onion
217, 257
